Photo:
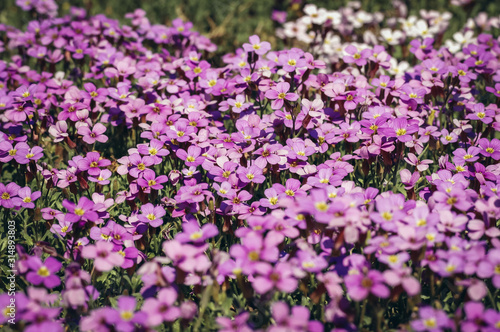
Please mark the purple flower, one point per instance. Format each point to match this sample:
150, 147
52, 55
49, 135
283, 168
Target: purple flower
354, 56
256, 45
103, 255
90, 136
490, 148
161, 309
359, 285
238, 324
128, 315
44, 272
150, 180
83, 210
152, 214
251, 174
279, 277
192, 157
279, 94
28, 197
8, 195
431, 320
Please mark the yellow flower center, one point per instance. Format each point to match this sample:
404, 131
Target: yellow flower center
151, 217
141, 167
421, 222
253, 256
238, 104
292, 62
5, 196
468, 156
26, 94
197, 70
308, 265
393, 259
282, 95
64, 229
79, 212
151, 182
195, 236
321, 206
387, 216
250, 176
290, 192
490, 150
357, 56
481, 115
273, 200
401, 132
27, 200
190, 159
127, 315
461, 72
430, 322
43, 272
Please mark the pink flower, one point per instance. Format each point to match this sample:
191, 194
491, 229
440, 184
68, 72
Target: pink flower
256, 45
103, 255
90, 136
359, 286
279, 94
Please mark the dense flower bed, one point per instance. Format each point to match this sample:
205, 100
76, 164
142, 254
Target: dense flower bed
348, 184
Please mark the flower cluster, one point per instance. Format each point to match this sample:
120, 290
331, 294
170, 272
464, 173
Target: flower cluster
287, 190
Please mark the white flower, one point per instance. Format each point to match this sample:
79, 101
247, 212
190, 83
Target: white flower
391, 37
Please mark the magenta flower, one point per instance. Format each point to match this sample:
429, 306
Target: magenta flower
44, 272
192, 157
482, 114
150, 180
460, 156
83, 210
408, 179
139, 164
152, 214
192, 232
103, 255
128, 315
256, 45
92, 163
359, 286
28, 197
90, 136
279, 94
238, 324
8, 195
102, 178
431, 320
354, 56
490, 148
279, 277
251, 174
161, 309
